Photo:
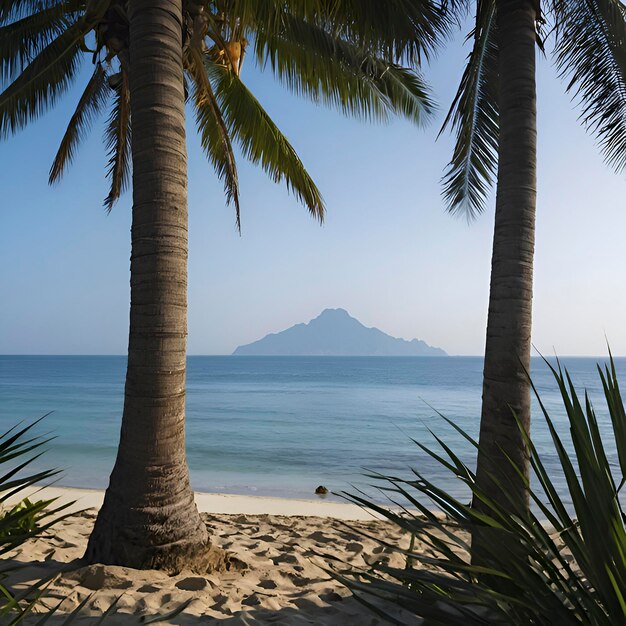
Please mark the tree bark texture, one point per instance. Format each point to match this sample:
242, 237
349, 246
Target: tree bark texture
149, 518
506, 387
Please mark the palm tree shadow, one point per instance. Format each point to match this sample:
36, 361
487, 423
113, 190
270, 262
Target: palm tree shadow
20, 572
345, 612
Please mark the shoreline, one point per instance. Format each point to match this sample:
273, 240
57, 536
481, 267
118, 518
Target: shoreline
213, 503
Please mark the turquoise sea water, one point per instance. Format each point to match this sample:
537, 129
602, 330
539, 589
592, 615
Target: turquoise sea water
275, 425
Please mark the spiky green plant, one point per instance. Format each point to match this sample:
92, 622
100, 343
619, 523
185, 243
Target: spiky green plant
563, 562
19, 448
23, 517
27, 519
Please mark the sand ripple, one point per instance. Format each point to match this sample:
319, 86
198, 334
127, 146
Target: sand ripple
283, 582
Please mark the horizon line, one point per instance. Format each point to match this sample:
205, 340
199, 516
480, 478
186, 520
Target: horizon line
319, 356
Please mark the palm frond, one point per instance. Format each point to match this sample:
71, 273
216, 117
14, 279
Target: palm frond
590, 51
118, 142
41, 83
90, 104
24, 39
473, 117
13, 10
323, 67
398, 30
260, 139
214, 134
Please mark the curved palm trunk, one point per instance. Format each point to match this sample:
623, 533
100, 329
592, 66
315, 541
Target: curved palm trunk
149, 518
507, 353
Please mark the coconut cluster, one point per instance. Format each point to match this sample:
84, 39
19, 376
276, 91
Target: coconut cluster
205, 24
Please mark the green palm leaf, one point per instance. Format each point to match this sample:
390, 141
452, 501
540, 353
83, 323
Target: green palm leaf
394, 29
260, 139
23, 39
214, 134
340, 52
473, 117
41, 83
323, 67
118, 142
90, 104
12, 10
590, 51
398, 28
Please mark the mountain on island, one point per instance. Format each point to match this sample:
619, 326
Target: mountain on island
335, 333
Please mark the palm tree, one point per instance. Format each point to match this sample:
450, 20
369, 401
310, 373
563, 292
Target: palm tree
148, 57
494, 119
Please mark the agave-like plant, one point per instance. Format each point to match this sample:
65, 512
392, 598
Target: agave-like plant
19, 448
563, 562
28, 519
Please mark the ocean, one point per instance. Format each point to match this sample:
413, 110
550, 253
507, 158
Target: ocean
279, 426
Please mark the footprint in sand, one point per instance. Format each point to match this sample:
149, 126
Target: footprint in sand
284, 558
251, 600
166, 598
354, 547
267, 584
220, 600
319, 537
300, 581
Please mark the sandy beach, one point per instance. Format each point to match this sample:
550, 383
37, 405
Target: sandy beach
280, 542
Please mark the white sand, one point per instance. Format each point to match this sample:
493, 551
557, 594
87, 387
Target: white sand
285, 544
219, 503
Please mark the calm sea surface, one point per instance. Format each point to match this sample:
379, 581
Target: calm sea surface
276, 425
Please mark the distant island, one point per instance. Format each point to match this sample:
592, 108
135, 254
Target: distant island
335, 333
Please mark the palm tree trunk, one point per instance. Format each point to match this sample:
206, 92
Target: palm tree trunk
149, 518
506, 386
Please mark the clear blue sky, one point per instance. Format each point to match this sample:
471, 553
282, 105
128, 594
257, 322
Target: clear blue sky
387, 252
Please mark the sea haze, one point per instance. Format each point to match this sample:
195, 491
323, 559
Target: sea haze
276, 426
